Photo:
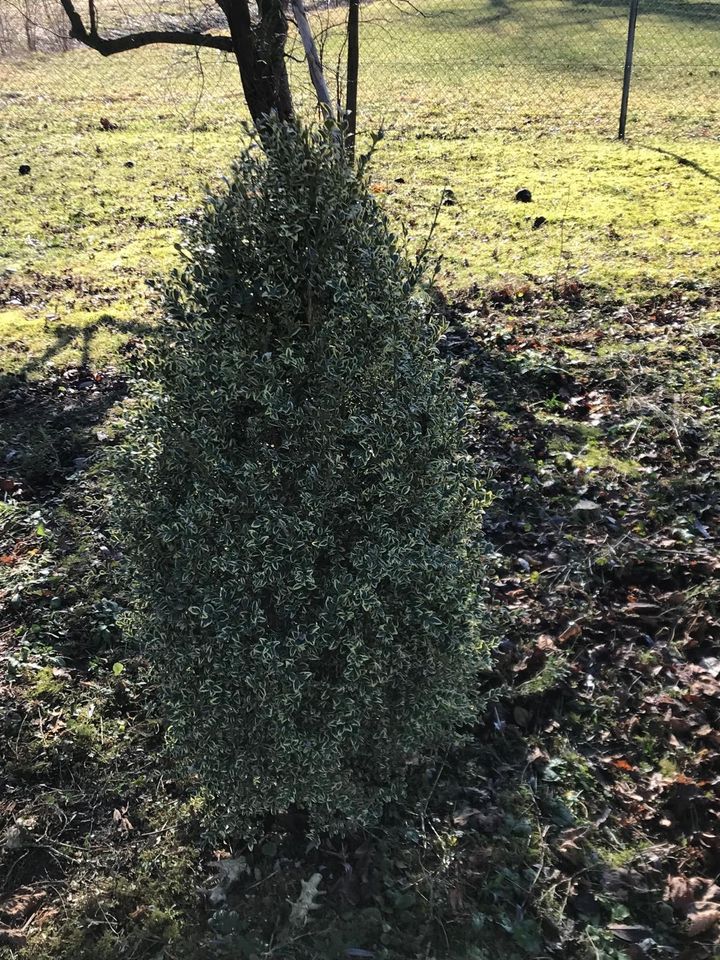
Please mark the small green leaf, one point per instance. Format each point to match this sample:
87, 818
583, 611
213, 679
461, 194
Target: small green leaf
117, 668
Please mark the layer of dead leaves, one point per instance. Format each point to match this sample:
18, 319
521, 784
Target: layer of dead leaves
599, 427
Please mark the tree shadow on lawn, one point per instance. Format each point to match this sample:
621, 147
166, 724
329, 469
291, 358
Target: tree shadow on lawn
671, 9
50, 423
528, 423
589, 458
682, 161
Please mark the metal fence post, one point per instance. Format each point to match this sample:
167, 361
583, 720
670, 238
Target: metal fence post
627, 76
353, 66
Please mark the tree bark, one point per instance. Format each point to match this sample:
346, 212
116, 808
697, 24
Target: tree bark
313, 58
260, 53
132, 41
30, 35
273, 32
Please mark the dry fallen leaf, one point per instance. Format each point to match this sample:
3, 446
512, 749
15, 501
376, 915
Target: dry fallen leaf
537, 755
697, 899
12, 938
546, 643
681, 892
568, 847
629, 933
120, 818
21, 904
703, 919
570, 632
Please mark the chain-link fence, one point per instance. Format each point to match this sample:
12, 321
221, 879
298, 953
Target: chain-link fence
433, 67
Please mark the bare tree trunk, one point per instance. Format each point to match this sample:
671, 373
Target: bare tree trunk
260, 55
30, 26
5, 35
273, 31
55, 23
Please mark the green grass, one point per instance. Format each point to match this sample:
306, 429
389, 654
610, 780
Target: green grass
475, 97
568, 808
602, 390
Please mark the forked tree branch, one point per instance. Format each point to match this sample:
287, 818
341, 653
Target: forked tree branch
131, 41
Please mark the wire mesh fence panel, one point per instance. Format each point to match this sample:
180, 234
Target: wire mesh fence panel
546, 63
484, 98
436, 67
676, 74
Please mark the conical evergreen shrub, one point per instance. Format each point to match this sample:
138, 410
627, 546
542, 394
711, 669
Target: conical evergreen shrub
295, 503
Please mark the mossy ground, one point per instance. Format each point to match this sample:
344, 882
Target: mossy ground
590, 776
589, 347
84, 233
472, 101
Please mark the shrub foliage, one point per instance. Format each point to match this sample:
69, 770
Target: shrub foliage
295, 503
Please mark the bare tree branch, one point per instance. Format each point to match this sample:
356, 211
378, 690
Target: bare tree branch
131, 41
93, 18
314, 65
257, 39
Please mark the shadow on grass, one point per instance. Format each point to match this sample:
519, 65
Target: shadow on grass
50, 423
502, 813
692, 12
683, 161
530, 441
65, 336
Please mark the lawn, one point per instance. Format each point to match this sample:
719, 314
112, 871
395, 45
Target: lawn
483, 107
581, 822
